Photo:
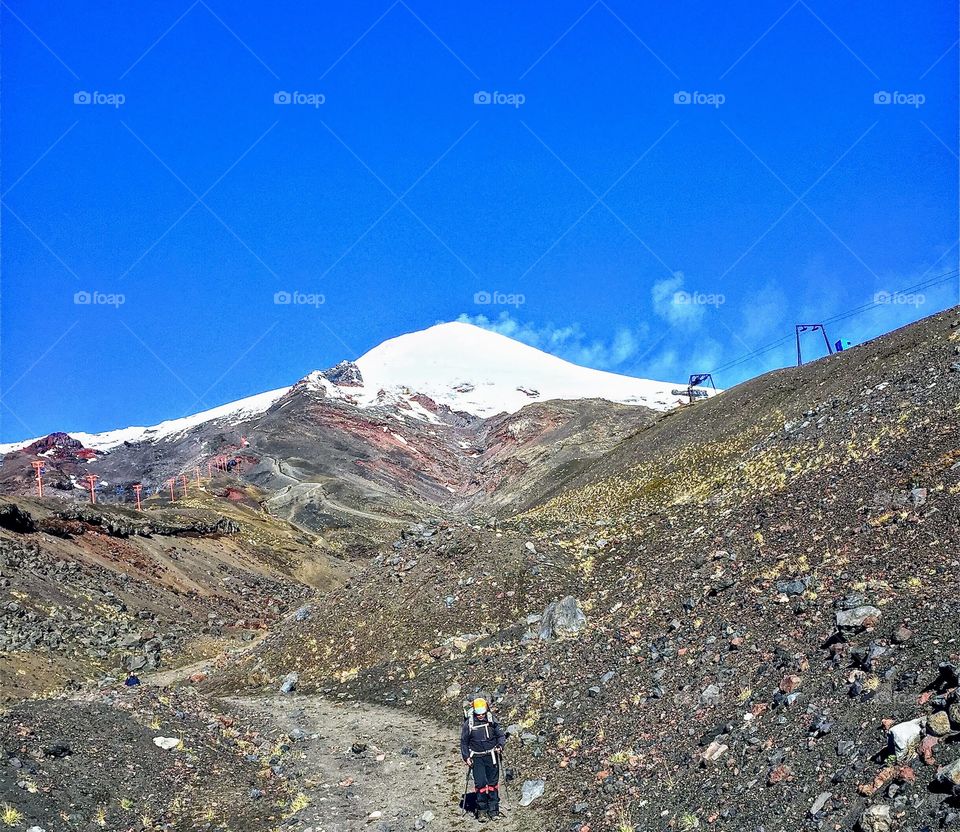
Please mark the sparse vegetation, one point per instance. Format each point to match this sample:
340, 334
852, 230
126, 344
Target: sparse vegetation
10, 815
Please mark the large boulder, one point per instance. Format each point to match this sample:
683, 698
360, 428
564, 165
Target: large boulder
15, 519
562, 617
858, 618
906, 736
876, 819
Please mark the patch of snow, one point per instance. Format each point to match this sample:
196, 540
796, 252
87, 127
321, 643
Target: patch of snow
250, 406
484, 373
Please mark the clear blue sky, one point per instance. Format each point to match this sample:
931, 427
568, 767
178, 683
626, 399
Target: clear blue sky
784, 187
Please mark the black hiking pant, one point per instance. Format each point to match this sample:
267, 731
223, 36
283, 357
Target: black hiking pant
486, 779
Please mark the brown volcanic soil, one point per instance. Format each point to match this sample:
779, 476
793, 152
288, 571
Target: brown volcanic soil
95, 590
91, 763
711, 553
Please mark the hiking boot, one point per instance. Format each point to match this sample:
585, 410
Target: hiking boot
482, 818
497, 816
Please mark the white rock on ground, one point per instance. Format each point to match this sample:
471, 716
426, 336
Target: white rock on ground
532, 789
905, 736
166, 743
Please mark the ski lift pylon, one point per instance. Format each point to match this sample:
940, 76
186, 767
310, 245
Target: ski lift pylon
798, 328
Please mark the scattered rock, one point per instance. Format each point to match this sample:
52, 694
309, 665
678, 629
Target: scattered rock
562, 617
290, 682
858, 618
166, 743
820, 803
949, 775
15, 519
902, 635
918, 496
876, 819
715, 751
532, 789
779, 774
795, 587
938, 724
905, 736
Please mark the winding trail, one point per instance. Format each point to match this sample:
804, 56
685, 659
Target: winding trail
362, 759
408, 765
314, 490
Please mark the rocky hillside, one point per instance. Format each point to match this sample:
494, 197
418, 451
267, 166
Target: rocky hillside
94, 591
760, 619
322, 461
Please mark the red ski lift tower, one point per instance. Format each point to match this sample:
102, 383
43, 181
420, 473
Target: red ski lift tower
197, 470
184, 481
91, 484
170, 483
38, 466
209, 470
137, 488
798, 328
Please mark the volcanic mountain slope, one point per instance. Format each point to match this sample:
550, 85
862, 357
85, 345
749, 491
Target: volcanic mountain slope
431, 422
762, 629
90, 591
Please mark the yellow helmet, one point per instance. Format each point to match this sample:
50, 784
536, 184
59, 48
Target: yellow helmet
479, 705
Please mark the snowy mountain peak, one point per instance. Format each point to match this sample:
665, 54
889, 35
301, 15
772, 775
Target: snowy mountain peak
472, 369
456, 364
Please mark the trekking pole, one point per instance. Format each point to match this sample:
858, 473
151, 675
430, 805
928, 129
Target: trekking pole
503, 772
466, 786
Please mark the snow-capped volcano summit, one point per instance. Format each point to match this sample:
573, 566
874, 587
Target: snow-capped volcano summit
457, 364
484, 373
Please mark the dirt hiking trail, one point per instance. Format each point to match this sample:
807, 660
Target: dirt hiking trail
361, 759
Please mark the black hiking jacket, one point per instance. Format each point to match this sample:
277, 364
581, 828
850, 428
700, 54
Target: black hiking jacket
480, 735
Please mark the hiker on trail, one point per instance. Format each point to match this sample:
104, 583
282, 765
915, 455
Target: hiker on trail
481, 745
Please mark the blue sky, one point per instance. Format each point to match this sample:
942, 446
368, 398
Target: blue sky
577, 164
